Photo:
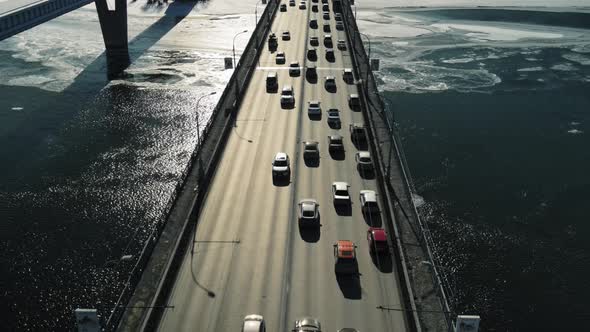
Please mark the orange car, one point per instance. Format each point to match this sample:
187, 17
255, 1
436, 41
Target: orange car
345, 255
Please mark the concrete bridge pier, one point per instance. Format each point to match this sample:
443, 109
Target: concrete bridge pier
113, 23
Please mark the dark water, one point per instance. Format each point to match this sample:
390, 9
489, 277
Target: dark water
79, 188
507, 188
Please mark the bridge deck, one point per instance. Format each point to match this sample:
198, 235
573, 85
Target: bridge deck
248, 247
7, 7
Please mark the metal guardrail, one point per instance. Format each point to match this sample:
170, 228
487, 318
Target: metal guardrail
393, 162
203, 161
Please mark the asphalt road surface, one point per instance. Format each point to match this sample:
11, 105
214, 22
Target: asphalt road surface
249, 254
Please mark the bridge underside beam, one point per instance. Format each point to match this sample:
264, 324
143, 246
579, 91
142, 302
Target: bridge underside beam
113, 24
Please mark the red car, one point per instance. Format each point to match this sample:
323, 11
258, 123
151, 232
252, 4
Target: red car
377, 238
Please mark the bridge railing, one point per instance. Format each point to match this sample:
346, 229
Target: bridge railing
194, 181
26, 17
411, 236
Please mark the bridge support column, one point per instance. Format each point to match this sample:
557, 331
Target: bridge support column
113, 23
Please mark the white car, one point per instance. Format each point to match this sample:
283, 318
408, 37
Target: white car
328, 40
330, 83
280, 165
368, 200
340, 193
354, 101
287, 96
309, 212
280, 58
314, 108
294, 69
347, 75
286, 35
363, 160
253, 323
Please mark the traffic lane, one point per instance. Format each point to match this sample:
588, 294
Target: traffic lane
388, 282
344, 229
384, 277
237, 285
340, 303
212, 264
288, 21
217, 220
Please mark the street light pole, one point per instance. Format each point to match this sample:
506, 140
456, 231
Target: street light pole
234, 45
198, 125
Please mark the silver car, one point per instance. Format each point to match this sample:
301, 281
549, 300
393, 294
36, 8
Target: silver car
309, 212
314, 108
363, 160
287, 96
307, 324
334, 117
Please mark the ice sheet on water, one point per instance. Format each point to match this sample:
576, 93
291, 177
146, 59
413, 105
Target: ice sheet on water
579, 58
529, 69
495, 33
575, 132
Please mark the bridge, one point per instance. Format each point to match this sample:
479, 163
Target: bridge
20, 15
232, 244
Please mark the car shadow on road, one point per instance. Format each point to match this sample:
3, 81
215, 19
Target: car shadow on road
383, 262
373, 219
343, 210
315, 117
310, 234
361, 145
338, 155
312, 79
312, 162
350, 285
367, 174
334, 125
281, 181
